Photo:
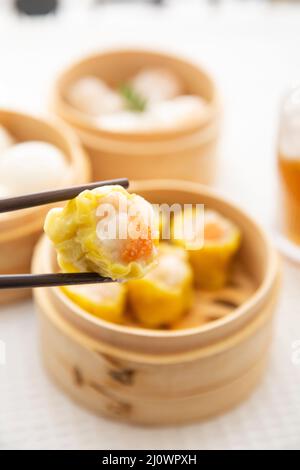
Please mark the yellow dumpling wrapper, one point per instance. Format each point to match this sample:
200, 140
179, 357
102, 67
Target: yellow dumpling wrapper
166, 292
106, 301
83, 235
219, 241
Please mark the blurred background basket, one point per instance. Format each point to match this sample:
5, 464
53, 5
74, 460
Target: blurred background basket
20, 230
187, 152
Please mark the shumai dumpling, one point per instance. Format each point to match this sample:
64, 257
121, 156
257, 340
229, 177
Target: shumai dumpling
215, 245
106, 301
162, 296
107, 230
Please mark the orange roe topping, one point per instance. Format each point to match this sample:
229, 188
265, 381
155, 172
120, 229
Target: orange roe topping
137, 249
213, 231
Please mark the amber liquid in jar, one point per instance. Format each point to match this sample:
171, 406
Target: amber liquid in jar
290, 176
289, 165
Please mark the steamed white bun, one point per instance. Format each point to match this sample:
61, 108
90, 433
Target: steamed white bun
6, 139
92, 96
179, 111
4, 192
31, 167
165, 115
124, 121
157, 84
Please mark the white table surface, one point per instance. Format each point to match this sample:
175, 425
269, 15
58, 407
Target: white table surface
253, 52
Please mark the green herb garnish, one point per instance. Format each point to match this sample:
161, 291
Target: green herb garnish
134, 101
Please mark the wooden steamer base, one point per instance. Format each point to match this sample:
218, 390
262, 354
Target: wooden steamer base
191, 157
165, 376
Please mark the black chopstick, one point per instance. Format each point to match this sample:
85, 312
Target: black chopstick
19, 281
57, 195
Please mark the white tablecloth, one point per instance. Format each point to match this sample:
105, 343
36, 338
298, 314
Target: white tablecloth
253, 52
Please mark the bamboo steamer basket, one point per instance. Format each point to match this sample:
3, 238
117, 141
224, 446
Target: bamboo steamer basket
20, 230
188, 157
117, 66
186, 152
165, 376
